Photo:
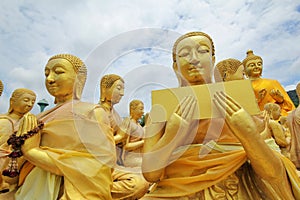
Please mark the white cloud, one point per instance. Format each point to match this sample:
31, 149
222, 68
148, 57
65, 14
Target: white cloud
32, 31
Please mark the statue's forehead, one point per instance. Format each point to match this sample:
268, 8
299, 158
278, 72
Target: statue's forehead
194, 40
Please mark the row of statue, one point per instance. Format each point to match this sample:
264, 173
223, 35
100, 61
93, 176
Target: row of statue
79, 150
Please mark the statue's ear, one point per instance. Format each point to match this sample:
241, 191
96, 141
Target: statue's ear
225, 76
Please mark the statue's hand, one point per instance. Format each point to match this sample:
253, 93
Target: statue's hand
186, 108
29, 122
182, 115
261, 95
276, 95
237, 118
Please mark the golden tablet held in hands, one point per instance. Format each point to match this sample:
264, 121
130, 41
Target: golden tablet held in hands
210, 158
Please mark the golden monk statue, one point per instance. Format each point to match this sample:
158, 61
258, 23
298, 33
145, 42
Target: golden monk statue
266, 90
293, 121
228, 70
132, 150
70, 154
276, 129
188, 158
127, 183
20, 103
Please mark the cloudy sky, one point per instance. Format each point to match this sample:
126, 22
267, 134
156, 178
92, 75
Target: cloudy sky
133, 38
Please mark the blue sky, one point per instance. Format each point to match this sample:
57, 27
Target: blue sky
133, 38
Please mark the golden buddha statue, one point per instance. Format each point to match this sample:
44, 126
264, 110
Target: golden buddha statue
266, 90
228, 70
132, 150
293, 121
127, 183
72, 155
20, 103
184, 164
273, 111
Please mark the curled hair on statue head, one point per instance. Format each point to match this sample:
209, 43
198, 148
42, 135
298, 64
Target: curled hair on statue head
134, 104
106, 82
79, 68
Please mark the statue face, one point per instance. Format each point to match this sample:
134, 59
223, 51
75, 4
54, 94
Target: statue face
138, 111
23, 104
115, 92
276, 113
60, 78
254, 68
195, 60
238, 75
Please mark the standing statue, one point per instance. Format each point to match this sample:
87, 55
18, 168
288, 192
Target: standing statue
234, 164
228, 70
70, 155
127, 184
293, 120
20, 103
266, 90
132, 150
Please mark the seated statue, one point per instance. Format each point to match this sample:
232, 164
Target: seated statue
127, 184
228, 70
70, 156
266, 90
132, 150
273, 111
190, 158
20, 103
293, 121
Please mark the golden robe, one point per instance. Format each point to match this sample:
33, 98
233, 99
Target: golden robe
293, 121
268, 85
215, 166
82, 150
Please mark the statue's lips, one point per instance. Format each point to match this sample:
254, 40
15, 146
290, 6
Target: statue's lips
198, 70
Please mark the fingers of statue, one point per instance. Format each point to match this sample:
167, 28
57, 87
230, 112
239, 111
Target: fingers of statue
189, 109
186, 107
225, 102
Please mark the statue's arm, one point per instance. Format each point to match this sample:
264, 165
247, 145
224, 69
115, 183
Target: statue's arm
134, 145
264, 161
162, 139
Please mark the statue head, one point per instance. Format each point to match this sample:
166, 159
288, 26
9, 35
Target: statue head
298, 91
253, 65
1, 87
229, 70
193, 58
21, 101
65, 76
111, 89
136, 109
273, 110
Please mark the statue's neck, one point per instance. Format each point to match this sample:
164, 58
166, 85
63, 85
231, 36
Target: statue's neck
107, 105
15, 115
254, 78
